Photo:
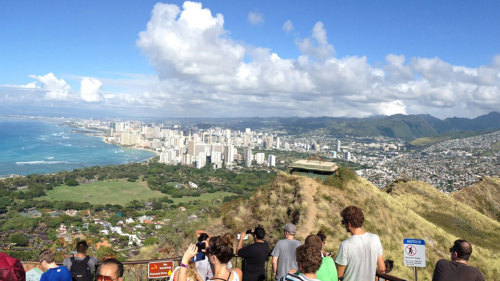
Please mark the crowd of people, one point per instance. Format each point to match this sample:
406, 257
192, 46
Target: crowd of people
359, 258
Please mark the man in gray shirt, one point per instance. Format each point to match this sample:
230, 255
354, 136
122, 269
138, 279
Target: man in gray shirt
360, 256
284, 253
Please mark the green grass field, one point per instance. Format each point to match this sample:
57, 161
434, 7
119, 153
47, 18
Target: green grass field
103, 192
118, 192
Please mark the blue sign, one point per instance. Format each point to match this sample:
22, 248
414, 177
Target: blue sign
414, 241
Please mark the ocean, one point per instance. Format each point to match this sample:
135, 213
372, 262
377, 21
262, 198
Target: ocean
30, 146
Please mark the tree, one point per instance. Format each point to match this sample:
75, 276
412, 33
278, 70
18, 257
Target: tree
19, 238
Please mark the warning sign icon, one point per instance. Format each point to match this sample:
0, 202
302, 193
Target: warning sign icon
411, 250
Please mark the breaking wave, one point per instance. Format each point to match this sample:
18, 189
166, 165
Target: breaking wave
42, 162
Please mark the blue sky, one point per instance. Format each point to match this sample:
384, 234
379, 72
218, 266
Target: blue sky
249, 58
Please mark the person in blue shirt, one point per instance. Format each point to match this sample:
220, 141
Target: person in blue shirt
53, 272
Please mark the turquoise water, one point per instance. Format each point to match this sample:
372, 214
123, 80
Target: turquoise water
29, 146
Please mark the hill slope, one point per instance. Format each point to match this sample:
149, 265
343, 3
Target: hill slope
407, 210
484, 196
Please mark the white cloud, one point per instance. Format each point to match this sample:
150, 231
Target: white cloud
202, 71
201, 66
55, 89
317, 47
288, 26
90, 89
255, 18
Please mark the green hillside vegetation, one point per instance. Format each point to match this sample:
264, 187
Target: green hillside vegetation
427, 141
405, 210
483, 197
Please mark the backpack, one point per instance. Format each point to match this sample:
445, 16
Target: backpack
80, 269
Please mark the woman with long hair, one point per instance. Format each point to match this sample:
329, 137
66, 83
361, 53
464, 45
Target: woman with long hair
219, 251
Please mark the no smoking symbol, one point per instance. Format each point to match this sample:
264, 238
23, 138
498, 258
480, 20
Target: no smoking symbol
410, 250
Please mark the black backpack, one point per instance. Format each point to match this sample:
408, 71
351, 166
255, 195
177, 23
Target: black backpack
80, 269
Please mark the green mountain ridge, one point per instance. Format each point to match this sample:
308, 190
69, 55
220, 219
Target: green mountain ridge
407, 127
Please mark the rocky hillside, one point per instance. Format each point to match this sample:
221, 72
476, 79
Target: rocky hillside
409, 209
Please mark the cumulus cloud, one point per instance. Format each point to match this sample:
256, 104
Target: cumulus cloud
199, 64
90, 89
287, 26
255, 18
191, 44
54, 88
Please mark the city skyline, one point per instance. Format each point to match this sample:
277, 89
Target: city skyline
227, 59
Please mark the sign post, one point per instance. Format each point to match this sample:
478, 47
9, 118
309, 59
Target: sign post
160, 269
414, 253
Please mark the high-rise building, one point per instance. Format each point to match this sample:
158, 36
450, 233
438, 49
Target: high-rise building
338, 146
230, 151
347, 156
260, 158
271, 161
248, 156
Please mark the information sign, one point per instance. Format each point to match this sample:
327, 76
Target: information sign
414, 252
160, 269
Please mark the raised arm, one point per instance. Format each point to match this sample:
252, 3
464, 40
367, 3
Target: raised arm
240, 242
188, 255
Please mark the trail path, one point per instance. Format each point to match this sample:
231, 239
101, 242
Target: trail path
309, 188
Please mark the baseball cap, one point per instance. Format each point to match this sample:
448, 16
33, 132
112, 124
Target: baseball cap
290, 228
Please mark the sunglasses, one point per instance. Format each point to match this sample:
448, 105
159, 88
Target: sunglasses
104, 278
452, 250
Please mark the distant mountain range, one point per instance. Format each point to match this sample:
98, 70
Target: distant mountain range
407, 127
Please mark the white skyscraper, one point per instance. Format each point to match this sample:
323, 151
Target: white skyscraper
248, 156
260, 158
271, 161
347, 156
338, 145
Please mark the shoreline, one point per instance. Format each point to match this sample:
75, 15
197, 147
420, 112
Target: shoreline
103, 139
75, 129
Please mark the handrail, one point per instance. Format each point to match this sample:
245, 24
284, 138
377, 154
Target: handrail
389, 277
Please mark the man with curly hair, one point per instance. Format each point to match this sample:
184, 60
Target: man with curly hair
309, 261
360, 256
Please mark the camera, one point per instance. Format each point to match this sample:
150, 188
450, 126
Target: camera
201, 246
249, 231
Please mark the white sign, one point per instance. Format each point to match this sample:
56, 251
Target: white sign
414, 252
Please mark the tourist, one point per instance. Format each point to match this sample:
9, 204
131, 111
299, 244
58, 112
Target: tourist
284, 252
457, 269
323, 242
360, 256
81, 266
309, 261
254, 255
219, 252
53, 272
110, 270
327, 271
